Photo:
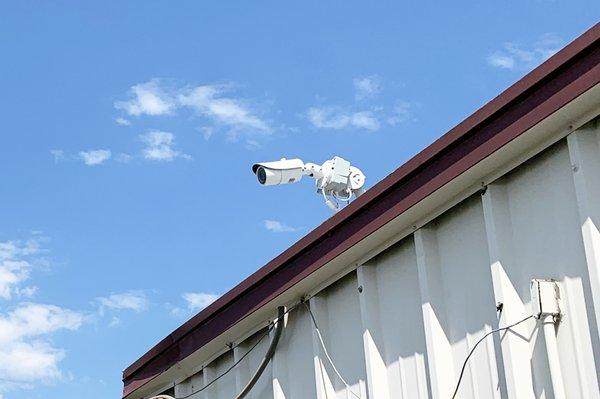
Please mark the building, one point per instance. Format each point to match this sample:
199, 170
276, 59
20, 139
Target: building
406, 279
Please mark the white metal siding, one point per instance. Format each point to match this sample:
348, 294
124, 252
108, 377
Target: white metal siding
244, 371
293, 368
457, 300
337, 312
390, 310
401, 324
537, 227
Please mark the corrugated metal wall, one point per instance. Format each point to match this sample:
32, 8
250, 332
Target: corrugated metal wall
401, 325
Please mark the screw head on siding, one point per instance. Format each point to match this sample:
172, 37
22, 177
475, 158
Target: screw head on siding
360, 289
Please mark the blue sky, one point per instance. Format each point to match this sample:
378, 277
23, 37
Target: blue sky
129, 128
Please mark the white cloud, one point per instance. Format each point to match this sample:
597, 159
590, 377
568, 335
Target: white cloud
402, 112
131, 300
276, 226
514, 56
16, 259
366, 87
33, 319
94, 157
210, 101
207, 132
147, 99
34, 361
365, 120
26, 353
213, 102
14, 249
349, 118
501, 60
160, 146
332, 118
198, 300
252, 144
122, 121
12, 273
58, 155
114, 321
26, 292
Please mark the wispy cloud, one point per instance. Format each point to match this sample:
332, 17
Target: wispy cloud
194, 302
58, 155
124, 157
122, 121
354, 116
114, 321
501, 60
12, 273
160, 146
136, 301
276, 226
198, 300
211, 101
366, 87
216, 104
335, 118
401, 112
514, 56
16, 261
94, 157
147, 99
26, 292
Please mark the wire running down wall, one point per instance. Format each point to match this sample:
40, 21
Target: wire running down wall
401, 324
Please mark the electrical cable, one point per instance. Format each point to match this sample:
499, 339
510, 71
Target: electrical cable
279, 318
314, 320
220, 375
340, 198
217, 378
462, 371
268, 356
334, 207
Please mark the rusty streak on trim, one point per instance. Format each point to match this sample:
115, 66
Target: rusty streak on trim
562, 78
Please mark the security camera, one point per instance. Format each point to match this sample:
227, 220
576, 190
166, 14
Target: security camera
337, 181
284, 171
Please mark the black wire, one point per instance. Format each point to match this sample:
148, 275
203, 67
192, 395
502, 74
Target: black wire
231, 367
243, 356
329, 359
475, 346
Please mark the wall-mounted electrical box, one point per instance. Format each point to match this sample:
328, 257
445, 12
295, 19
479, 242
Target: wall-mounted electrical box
545, 298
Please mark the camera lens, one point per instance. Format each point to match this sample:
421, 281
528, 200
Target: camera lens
262, 175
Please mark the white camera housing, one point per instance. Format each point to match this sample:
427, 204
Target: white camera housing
284, 171
336, 179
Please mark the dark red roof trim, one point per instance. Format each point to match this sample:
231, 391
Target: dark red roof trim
559, 80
